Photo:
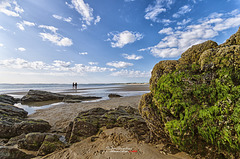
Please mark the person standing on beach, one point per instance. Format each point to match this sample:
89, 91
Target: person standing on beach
76, 85
73, 85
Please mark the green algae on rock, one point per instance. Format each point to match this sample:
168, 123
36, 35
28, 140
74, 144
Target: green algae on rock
195, 101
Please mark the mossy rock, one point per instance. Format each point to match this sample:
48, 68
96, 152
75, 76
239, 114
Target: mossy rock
196, 102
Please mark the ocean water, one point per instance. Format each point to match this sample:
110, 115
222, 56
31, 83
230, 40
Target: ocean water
99, 90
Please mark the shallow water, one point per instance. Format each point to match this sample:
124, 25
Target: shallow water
101, 90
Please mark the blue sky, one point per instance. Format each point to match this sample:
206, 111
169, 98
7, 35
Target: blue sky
107, 41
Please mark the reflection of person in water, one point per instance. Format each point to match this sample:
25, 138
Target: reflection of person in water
76, 85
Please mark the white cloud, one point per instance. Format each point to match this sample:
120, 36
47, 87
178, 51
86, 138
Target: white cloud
85, 11
183, 10
152, 11
83, 53
69, 19
21, 63
132, 57
119, 64
167, 31
59, 63
129, 0
184, 22
131, 74
184, 37
56, 39
21, 49
124, 38
28, 23
10, 8
97, 20
56, 66
2, 28
25, 23
20, 26
93, 63
51, 28
1, 45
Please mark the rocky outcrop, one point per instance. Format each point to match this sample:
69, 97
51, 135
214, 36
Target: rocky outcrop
87, 123
13, 153
194, 101
41, 96
112, 95
44, 143
14, 122
7, 99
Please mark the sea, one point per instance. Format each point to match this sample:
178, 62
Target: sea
99, 90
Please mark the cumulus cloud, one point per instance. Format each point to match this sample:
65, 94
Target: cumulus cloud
56, 66
183, 10
167, 31
123, 38
93, 63
21, 49
10, 8
97, 20
21, 63
56, 39
152, 11
119, 64
85, 11
172, 45
24, 23
132, 57
83, 53
184, 22
69, 19
131, 73
51, 28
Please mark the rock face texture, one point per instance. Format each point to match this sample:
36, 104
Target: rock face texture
41, 96
87, 123
194, 102
14, 122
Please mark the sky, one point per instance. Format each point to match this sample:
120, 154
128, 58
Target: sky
104, 41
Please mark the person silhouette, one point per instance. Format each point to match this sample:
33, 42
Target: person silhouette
73, 85
76, 85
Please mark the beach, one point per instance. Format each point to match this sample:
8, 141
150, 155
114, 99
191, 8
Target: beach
60, 114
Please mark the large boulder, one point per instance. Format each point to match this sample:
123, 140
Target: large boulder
87, 123
42, 96
14, 122
194, 102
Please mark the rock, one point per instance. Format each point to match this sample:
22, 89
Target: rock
31, 141
78, 99
9, 110
41, 96
87, 123
7, 99
13, 153
51, 143
13, 122
194, 101
114, 95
